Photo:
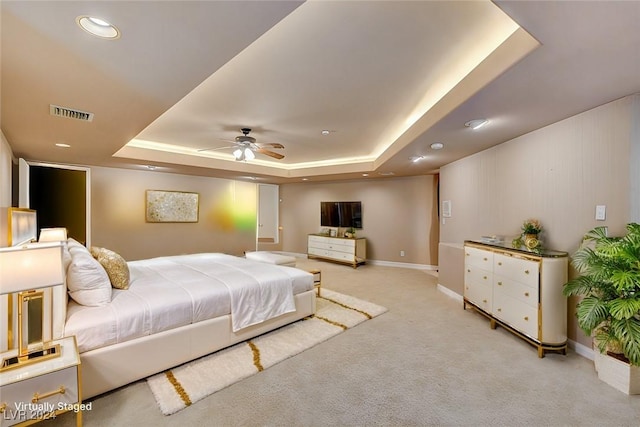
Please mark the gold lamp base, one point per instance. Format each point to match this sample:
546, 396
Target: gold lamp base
48, 351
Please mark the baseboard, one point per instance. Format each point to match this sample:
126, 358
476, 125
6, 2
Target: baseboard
374, 262
403, 265
582, 350
448, 292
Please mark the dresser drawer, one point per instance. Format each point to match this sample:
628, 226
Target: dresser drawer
318, 239
476, 275
479, 294
346, 243
36, 397
478, 257
317, 251
519, 269
341, 256
517, 290
517, 314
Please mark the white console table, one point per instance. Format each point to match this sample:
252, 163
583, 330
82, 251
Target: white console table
345, 250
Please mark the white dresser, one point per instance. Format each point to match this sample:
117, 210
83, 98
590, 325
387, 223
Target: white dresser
520, 290
338, 249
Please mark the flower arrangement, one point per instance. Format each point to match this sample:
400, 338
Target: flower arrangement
531, 226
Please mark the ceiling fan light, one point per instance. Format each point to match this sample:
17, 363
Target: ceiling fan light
237, 154
248, 154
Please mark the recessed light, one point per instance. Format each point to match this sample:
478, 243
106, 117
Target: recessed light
437, 146
325, 132
98, 27
365, 174
151, 167
62, 145
415, 159
305, 179
476, 124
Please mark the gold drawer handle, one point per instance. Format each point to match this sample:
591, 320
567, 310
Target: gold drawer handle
526, 294
3, 407
499, 309
484, 258
484, 301
526, 318
484, 277
468, 270
500, 263
526, 272
37, 397
499, 283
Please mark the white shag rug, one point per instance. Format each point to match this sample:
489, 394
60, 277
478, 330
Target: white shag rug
180, 387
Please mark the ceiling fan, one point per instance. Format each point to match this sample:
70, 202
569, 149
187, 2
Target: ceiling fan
246, 147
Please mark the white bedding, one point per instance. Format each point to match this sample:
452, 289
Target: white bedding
170, 292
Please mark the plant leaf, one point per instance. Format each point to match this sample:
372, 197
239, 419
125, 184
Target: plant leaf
624, 308
628, 330
591, 312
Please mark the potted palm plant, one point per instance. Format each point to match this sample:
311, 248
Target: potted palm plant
609, 311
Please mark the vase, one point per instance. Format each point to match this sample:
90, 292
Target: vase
531, 240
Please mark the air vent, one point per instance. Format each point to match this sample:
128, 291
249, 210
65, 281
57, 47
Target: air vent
56, 110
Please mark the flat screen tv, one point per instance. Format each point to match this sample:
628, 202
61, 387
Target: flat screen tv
341, 214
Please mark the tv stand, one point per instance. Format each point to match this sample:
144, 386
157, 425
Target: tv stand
344, 250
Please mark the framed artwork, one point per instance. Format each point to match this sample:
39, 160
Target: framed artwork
171, 206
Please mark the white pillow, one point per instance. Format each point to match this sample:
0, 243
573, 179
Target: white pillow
87, 281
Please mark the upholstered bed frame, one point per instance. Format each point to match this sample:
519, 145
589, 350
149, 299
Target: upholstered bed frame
107, 368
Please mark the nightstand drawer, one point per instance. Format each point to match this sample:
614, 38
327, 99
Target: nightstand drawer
37, 397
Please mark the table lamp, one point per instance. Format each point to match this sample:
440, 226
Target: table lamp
27, 270
57, 234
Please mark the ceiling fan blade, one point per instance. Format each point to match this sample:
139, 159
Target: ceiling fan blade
271, 145
270, 153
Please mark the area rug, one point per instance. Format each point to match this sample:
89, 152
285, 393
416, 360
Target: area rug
182, 386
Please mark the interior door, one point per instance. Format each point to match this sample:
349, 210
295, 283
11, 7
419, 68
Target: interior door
61, 195
268, 203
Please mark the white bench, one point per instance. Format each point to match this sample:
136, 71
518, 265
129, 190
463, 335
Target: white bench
271, 258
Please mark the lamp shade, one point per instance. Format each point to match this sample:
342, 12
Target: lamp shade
57, 234
32, 266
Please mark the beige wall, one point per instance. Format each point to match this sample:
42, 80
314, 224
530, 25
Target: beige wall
397, 214
6, 158
557, 174
227, 214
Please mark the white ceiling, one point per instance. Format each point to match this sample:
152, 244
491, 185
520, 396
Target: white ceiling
387, 78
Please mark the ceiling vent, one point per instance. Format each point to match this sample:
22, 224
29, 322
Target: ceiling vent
56, 110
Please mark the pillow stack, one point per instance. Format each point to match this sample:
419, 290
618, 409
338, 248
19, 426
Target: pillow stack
92, 275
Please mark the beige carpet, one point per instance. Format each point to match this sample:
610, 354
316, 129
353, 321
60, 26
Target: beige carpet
426, 362
180, 387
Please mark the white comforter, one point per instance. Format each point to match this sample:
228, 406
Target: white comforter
169, 292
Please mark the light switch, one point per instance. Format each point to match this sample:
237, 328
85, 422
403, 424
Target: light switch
601, 212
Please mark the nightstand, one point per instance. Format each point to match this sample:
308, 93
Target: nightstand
42, 389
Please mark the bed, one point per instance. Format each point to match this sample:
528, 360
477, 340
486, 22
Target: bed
172, 310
